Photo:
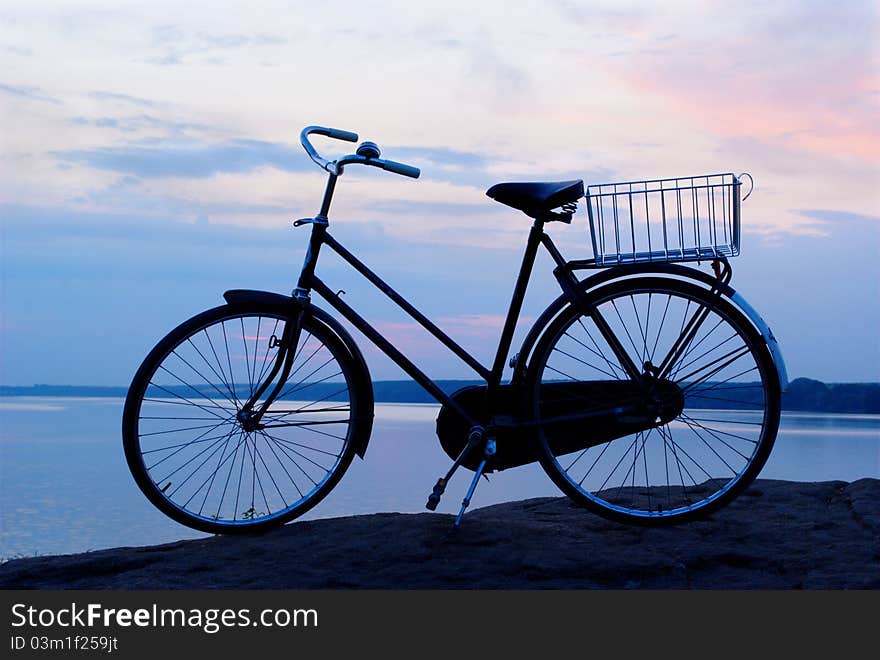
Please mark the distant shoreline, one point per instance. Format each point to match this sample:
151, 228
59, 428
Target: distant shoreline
803, 394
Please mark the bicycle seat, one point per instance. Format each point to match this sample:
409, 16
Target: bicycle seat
538, 198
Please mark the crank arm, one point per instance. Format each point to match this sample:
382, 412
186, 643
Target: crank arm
315, 423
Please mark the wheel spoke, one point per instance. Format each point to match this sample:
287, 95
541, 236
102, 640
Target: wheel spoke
596, 353
283, 467
684, 365
299, 386
220, 366
185, 402
209, 480
660, 327
231, 397
691, 395
253, 372
181, 446
282, 446
215, 446
203, 406
229, 361
732, 435
611, 365
288, 443
265, 366
256, 451
246, 356
680, 364
584, 362
644, 353
694, 428
623, 324
733, 357
229, 474
314, 423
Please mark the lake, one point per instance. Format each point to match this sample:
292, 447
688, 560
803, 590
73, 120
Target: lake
65, 487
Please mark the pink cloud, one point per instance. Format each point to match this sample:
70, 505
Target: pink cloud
804, 77
477, 325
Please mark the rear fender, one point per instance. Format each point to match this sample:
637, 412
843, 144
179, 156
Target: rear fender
672, 270
766, 333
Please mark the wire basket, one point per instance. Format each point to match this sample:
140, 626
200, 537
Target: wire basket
682, 219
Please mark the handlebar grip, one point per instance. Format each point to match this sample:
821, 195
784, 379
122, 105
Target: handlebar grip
338, 134
401, 168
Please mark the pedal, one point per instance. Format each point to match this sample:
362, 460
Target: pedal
436, 494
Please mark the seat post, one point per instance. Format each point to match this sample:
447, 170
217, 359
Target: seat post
519, 291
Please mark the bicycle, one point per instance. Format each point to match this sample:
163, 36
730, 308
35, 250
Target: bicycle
624, 390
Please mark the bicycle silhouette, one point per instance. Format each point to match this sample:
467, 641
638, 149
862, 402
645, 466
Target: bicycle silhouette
649, 391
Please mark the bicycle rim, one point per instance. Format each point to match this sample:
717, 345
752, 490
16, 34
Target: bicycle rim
713, 443
190, 453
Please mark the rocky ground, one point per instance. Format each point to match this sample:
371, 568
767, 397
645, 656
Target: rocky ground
777, 535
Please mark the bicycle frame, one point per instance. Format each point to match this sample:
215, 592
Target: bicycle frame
309, 281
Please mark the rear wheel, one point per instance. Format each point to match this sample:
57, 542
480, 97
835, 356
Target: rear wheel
681, 461
191, 455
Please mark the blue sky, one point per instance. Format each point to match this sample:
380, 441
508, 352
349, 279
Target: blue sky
149, 160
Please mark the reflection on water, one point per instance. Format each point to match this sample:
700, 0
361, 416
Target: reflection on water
65, 487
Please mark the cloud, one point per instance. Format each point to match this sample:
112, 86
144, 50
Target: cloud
126, 194
25, 225
196, 160
32, 93
610, 18
100, 122
126, 98
443, 164
830, 216
21, 51
420, 208
487, 326
439, 156
798, 75
507, 84
225, 41
179, 45
132, 123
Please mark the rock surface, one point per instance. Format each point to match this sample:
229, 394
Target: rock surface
777, 535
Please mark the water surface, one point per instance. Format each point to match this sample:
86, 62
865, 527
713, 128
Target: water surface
65, 487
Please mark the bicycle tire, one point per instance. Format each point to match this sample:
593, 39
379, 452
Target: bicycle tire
280, 462
759, 402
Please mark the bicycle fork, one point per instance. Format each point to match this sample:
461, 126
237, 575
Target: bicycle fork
250, 419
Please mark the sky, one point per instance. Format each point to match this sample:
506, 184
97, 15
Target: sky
149, 160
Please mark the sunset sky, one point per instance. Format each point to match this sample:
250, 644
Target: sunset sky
149, 160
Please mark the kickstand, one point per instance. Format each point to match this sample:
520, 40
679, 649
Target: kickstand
470, 493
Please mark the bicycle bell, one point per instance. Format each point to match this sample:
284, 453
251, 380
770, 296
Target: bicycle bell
368, 150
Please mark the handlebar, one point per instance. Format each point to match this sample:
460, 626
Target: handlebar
401, 168
336, 166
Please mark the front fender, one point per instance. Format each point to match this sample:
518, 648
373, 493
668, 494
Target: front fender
241, 296
362, 376
673, 270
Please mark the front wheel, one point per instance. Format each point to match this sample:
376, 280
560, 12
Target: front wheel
190, 453
683, 450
